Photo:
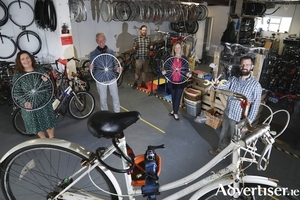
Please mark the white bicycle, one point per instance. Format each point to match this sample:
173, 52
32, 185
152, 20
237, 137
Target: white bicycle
58, 169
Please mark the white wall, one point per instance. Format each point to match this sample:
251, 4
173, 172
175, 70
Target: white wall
51, 41
220, 20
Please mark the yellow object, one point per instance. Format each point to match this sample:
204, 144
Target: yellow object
160, 81
191, 63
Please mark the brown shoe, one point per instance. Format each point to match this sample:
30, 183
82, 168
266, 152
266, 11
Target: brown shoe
214, 152
144, 85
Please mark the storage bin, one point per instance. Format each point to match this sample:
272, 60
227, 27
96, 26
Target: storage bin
192, 107
192, 94
214, 118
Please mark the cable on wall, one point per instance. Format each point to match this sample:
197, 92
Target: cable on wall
45, 15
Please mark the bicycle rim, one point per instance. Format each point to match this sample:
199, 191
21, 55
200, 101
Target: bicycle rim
255, 195
31, 88
176, 72
34, 173
81, 105
105, 69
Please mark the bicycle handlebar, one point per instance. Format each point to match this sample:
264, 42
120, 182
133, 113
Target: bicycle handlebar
159, 31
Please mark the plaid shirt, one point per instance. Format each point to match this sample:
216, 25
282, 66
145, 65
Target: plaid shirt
144, 45
251, 89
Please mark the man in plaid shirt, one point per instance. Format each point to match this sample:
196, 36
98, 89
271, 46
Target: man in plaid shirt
249, 87
142, 45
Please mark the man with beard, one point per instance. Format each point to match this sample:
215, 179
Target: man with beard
244, 84
142, 45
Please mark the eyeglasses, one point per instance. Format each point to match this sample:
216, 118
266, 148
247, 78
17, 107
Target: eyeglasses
245, 65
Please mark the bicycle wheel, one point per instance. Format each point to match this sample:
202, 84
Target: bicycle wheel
31, 88
5, 95
86, 70
105, 68
18, 123
81, 104
120, 80
41, 170
176, 70
254, 195
122, 63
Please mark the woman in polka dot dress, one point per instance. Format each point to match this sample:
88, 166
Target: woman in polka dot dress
38, 122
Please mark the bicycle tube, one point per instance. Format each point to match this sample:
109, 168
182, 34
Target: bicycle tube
64, 153
4, 38
5, 16
27, 33
20, 7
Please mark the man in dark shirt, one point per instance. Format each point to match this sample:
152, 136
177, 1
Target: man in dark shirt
142, 44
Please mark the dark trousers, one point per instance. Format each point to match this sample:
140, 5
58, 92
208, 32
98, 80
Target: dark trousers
176, 92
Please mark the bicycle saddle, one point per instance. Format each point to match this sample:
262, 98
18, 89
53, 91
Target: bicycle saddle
111, 125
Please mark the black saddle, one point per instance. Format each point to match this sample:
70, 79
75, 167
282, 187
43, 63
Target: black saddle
111, 125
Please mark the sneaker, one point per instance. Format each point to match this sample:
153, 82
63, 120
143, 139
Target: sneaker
144, 85
134, 85
214, 152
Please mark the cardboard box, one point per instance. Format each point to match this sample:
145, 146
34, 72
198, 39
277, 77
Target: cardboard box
214, 118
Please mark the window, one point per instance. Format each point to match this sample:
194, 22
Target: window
274, 24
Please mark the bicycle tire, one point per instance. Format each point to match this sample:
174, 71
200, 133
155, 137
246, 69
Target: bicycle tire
120, 80
5, 15
3, 46
173, 71
84, 108
31, 88
86, 70
27, 33
105, 69
18, 123
212, 194
5, 94
33, 172
122, 63
20, 13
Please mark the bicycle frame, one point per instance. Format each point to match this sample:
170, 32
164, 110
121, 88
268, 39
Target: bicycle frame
226, 176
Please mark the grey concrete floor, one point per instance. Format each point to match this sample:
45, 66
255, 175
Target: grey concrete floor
187, 142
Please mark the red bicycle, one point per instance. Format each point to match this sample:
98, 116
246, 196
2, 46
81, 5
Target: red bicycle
286, 101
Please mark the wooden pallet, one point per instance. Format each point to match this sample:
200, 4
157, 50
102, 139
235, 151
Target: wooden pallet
214, 99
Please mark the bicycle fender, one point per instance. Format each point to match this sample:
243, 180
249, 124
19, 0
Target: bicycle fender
65, 144
228, 180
